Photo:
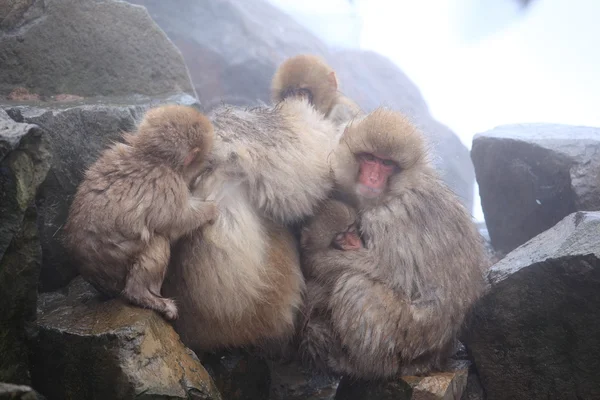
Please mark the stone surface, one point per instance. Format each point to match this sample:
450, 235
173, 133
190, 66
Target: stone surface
290, 381
238, 374
85, 347
77, 132
9, 391
24, 163
232, 55
531, 176
87, 48
448, 385
534, 335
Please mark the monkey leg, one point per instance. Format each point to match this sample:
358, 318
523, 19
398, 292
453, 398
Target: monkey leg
320, 348
145, 278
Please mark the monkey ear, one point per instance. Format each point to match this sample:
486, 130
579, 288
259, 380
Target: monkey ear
191, 156
333, 79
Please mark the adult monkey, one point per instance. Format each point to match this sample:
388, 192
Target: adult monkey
238, 282
401, 306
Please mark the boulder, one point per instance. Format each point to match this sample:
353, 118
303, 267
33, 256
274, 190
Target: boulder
9, 391
534, 334
86, 48
24, 163
232, 55
531, 176
86, 347
77, 132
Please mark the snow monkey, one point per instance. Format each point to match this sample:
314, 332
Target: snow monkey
396, 306
238, 281
135, 200
309, 76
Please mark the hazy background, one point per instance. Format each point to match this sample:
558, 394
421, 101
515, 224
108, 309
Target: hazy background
478, 63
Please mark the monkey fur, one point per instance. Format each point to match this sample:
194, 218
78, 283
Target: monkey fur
135, 200
309, 76
238, 281
396, 306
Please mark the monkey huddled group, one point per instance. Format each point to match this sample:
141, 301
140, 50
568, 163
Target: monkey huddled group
193, 216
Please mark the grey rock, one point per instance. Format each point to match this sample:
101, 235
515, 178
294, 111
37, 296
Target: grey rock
87, 48
534, 334
77, 133
24, 163
531, 176
291, 381
232, 53
85, 347
9, 391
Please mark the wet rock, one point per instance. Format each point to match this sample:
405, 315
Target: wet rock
448, 385
534, 335
290, 381
533, 175
86, 347
9, 391
77, 132
24, 163
238, 374
87, 48
232, 56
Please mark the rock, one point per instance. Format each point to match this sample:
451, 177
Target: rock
89, 348
24, 163
77, 133
448, 385
87, 48
238, 374
8, 391
534, 334
290, 381
232, 55
531, 176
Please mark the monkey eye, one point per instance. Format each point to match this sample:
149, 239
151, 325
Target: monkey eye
388, 163
367, 157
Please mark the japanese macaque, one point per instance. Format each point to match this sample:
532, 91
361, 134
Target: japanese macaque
238, 282
135, 200
309, 76
396, 306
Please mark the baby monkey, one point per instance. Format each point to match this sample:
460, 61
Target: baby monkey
135, 200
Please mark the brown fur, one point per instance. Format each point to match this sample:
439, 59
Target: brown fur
396, 306
309, 75
238, 282
134, 200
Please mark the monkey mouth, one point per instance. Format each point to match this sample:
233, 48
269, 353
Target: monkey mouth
368, 192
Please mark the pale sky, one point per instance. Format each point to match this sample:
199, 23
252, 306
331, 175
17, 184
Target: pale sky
480, 63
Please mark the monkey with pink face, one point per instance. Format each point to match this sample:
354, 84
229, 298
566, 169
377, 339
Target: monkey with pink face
396, 305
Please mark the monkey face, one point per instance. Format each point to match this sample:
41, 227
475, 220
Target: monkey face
348, 240
373, 175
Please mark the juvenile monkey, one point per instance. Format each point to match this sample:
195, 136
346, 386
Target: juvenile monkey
309, 76
396, 306
135, 200
238, 282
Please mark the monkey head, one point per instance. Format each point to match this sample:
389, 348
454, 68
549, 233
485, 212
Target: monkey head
334, 225
306, 75
179, 136
379, 155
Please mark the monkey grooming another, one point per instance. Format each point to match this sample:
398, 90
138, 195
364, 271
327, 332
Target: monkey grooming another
135, 200
396, 306
238, 281
309, 76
